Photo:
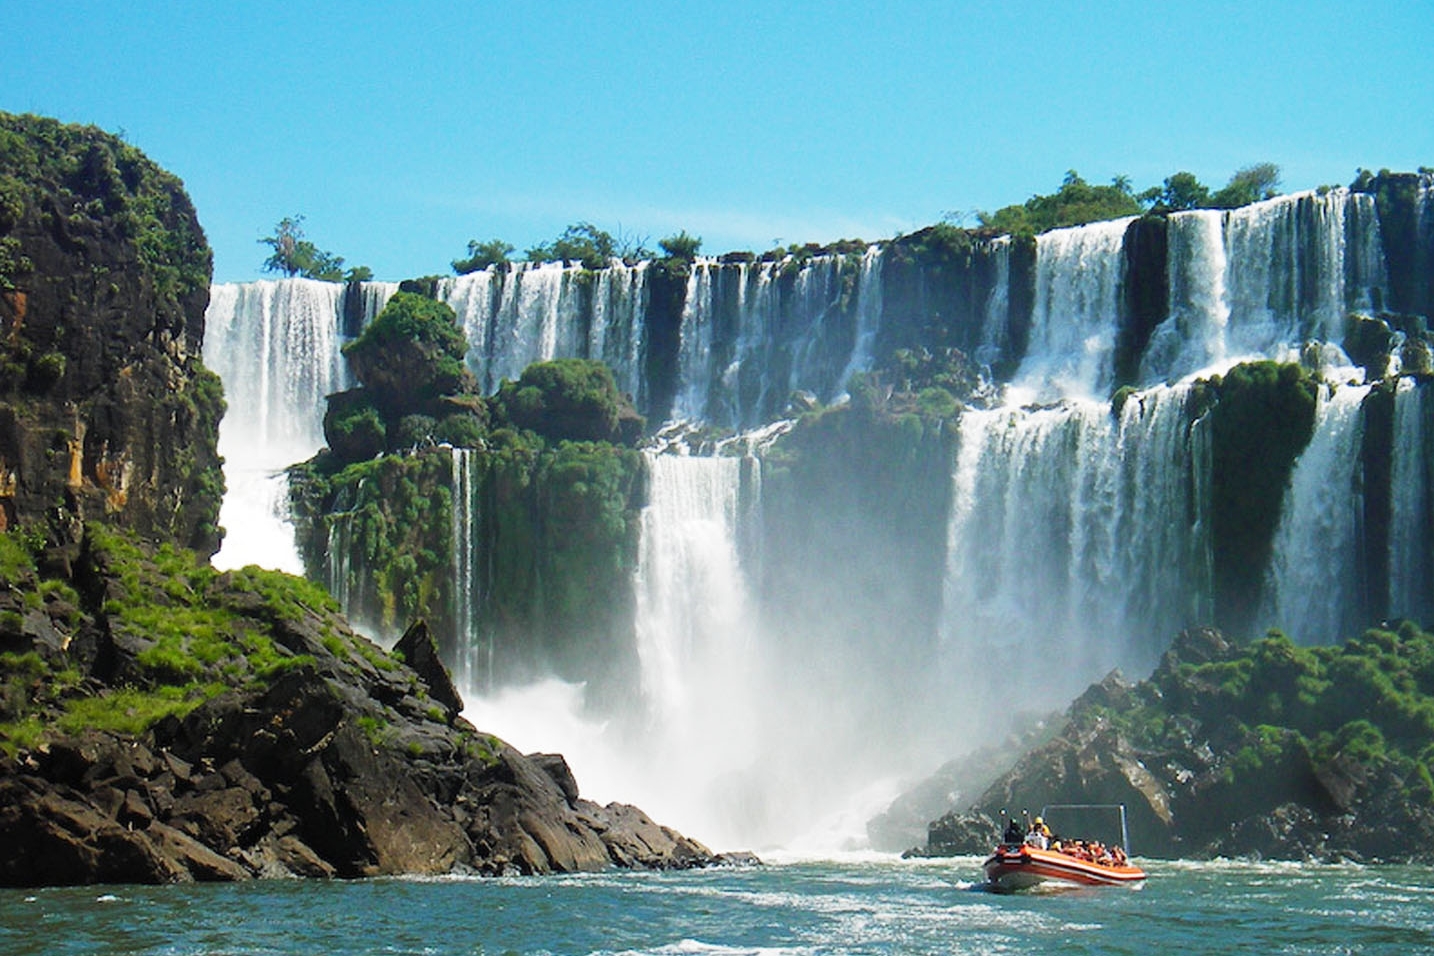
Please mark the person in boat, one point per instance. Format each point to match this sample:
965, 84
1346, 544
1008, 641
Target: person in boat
1013, 832
1040, 835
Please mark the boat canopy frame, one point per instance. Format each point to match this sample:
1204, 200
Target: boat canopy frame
1124, 830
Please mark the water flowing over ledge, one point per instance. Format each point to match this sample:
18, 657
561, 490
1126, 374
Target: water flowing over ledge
1073, 532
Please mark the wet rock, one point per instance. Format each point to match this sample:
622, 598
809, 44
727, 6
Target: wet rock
420, 651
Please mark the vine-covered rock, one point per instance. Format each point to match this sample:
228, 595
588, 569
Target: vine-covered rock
105, 407
163, 721
1265, 749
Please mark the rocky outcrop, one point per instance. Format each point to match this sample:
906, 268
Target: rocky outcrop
275, 743
105, 409
1216, 755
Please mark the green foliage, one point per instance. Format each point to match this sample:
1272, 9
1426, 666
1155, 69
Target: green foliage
1180, 191
17, 557
1248, 184
51, 165
1262, 420
565, 399
581, 242
294, 255
414, 350
1075, 203
681, 246
481, 255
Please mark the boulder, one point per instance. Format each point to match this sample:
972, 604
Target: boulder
419, 651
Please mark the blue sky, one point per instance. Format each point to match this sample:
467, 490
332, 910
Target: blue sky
401, 131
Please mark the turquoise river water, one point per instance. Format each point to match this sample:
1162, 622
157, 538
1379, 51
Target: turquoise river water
861, 905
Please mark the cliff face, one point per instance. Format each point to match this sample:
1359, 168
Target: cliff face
105, 408
161, 721
1264, 750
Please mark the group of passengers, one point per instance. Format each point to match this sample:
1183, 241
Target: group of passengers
1040, 836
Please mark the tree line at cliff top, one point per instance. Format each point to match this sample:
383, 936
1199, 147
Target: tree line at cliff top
1075, 203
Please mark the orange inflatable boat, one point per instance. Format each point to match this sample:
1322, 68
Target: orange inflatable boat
1018, 867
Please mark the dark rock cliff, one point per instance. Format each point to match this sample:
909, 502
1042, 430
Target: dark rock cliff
105, 408
161, 721
1262, 750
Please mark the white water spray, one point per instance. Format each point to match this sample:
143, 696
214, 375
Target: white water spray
1312, 586
276, 347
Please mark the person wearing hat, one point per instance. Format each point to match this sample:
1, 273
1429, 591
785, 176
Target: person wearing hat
1040, 835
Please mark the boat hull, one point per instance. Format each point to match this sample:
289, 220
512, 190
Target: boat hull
1021, 867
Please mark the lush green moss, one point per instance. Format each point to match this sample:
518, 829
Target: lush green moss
412, 352
1284, 710
1262, 419
565, 400
53, 165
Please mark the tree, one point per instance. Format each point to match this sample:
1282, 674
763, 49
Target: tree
681, 246
296, 256
1181, 191
481, 255
1248, 184
1075, 203
581, 242
413, 351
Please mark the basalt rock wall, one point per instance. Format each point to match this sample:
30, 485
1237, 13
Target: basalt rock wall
105, 408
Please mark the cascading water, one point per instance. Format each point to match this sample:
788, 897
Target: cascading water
474, 664
530, 312
868, 314
996, 315
1076, 534
1073, 325
276, 347
1411, 527
1295, 265
1193, 337
1312, 588
1073, 537
754, 333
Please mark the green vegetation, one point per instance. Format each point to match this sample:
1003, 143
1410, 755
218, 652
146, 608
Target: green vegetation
1183, 191
176, 634
1263, 416
1075, 203
294, 255
681, 246
48, 165
554, 481
411, 353
481, 255
581, 242
1282, 711
566, 399
1078, 202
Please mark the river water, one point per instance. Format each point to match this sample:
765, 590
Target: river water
872, 905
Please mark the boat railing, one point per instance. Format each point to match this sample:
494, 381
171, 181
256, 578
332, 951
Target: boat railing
1124, 830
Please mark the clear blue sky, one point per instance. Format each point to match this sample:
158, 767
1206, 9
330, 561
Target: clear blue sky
402, 130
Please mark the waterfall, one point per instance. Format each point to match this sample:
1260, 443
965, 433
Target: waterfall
276, 347
1411, 527
1077, 310
1072, 537
868, 315
996, 315
1312, 587
754, 333
517, 315
473, 667
618, 331
1295, 265
702, 690
1193, 337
